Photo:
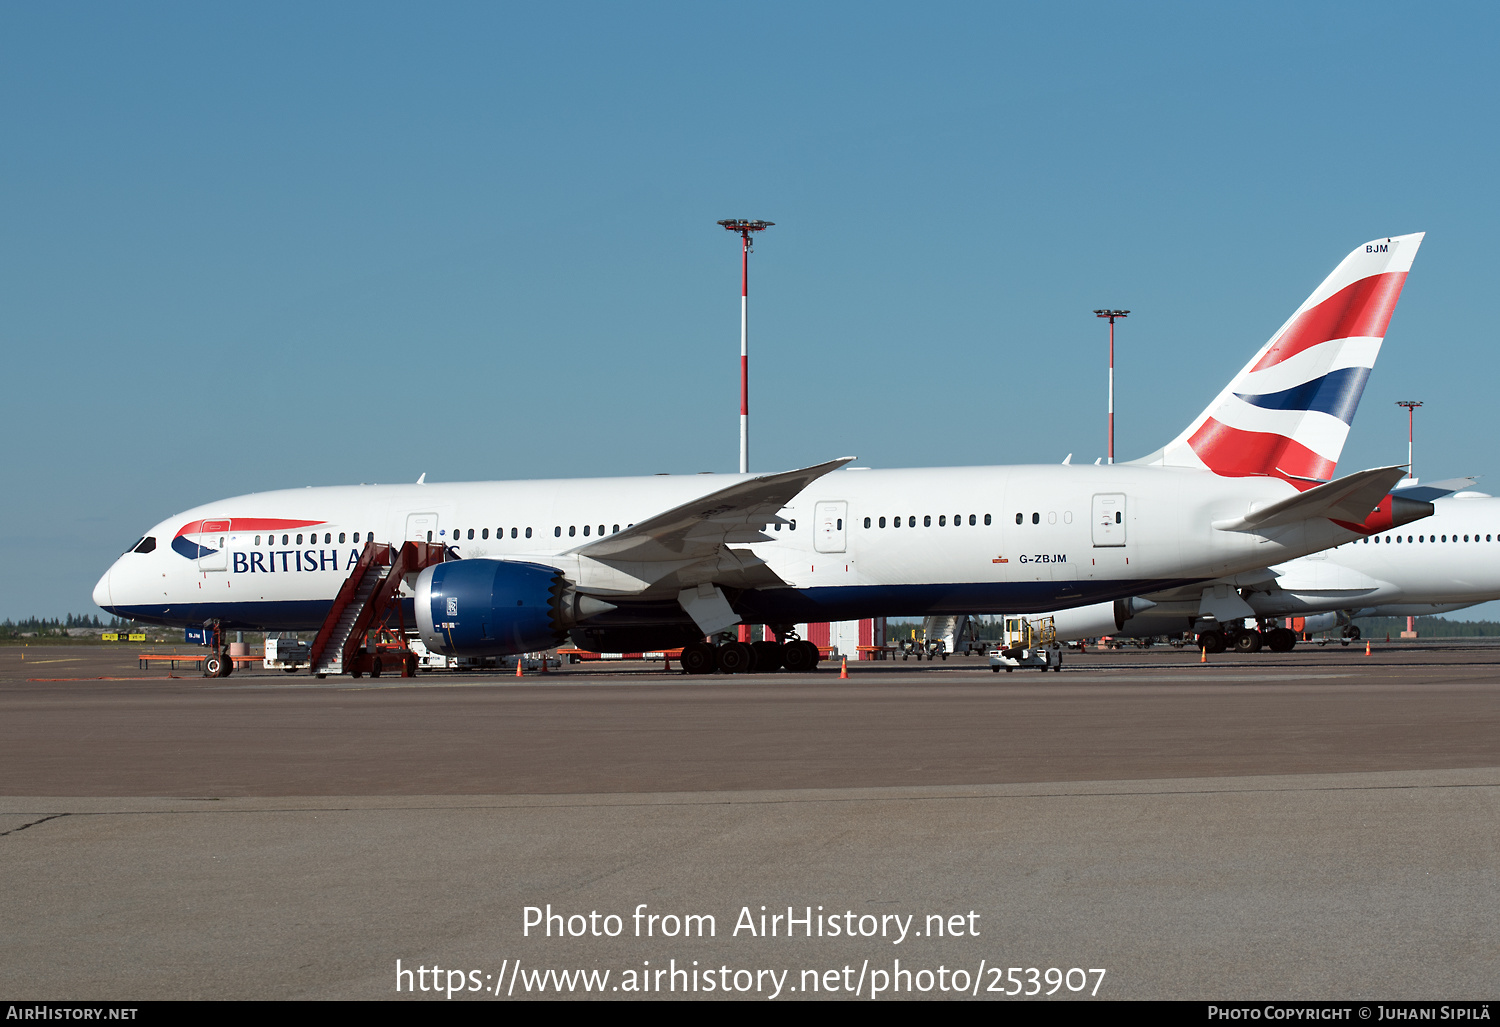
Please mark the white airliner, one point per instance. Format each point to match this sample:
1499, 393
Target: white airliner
1449, 561
629, 564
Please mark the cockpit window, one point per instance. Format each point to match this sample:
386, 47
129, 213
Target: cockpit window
145, 545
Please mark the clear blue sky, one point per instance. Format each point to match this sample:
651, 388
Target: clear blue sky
265, 245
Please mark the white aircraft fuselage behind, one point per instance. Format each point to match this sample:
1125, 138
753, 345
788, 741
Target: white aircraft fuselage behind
1444, 562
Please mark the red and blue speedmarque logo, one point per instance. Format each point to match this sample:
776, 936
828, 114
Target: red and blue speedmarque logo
211, 530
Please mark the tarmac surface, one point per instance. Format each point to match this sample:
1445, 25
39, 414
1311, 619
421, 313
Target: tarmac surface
1320, 824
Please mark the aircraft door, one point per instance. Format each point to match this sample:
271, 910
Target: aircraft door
212, 542
1109, 520
829, 518
422, 527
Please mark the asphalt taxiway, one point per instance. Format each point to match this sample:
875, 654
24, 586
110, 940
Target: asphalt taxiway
1320, 824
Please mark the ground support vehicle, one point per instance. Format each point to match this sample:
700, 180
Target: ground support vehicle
1027, 643
288, 654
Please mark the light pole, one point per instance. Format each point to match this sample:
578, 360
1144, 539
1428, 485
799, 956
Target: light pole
745, 229
1410, 405
1111, 314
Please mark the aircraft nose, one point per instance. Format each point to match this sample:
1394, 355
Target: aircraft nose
102, 598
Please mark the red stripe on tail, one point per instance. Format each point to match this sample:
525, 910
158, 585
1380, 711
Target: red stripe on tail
1234, 453
1363, 308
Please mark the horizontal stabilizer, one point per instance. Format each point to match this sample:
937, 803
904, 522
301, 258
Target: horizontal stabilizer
1350, 499
697, 530
1434, 489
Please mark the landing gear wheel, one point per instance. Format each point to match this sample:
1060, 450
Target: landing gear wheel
1247, 642
1354, 634
799, 656
736, 658
411, 665
768, 657
794, 657
698, 658
1281, 640
1213, 641
213, 667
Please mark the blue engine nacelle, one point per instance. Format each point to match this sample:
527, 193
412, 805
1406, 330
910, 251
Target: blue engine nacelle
497, 607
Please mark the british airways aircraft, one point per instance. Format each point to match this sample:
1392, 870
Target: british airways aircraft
629, 564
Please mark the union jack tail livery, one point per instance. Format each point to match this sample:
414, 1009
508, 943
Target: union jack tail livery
1286, 415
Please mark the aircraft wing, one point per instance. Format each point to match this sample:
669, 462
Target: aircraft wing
702, 528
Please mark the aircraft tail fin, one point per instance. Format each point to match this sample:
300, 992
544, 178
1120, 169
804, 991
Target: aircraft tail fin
1287, 413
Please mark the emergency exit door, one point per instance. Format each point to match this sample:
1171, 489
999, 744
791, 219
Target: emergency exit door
829, 519
1109, 519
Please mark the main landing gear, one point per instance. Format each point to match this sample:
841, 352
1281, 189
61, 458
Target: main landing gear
749, 657
1250, 640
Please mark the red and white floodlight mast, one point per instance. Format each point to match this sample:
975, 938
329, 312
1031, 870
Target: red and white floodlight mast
1111, 314
745, 229
1410, 405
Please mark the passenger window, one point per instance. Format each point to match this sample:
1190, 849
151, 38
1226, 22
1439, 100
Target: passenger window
616, 531
986, 518
794, 524
585, 529
867, 522
257, 540
572, 530
327, 537
895, 522
513, 532
1117, 517
284, 540
1036, 518
342, 538
429, 537
557, 532
882, 522
971, 520
484, 532
1020, 518
927, 521
911, 522
942, 520
601, 529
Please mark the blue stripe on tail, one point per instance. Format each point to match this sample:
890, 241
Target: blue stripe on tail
1336, 393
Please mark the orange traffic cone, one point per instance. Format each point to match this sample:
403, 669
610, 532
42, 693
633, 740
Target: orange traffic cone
519, 660
1204, 657
844, 668
1367, 647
